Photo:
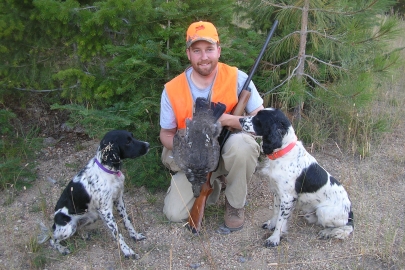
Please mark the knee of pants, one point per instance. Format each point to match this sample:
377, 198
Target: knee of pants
174, 215
244, 146
247, 150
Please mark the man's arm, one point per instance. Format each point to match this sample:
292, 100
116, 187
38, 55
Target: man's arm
256, 111
233, 120
166, 137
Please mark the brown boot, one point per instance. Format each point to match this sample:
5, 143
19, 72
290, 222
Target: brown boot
234, 217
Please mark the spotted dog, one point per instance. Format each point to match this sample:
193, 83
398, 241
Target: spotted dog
296, 178
95, 189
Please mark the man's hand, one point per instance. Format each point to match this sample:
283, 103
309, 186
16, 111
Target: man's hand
229, 120
232, 121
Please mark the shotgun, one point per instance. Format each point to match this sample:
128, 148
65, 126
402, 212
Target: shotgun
244, 96
197, 211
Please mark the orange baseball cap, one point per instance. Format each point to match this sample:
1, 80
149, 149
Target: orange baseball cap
201, 31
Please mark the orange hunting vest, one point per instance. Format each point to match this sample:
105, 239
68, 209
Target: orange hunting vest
224, 90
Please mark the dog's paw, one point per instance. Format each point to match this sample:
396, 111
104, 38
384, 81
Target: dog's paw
338, 233
86, 236
128, 252
65, 251
138, 237
272, 241
324, 234
268, 225
62, 249
132, 256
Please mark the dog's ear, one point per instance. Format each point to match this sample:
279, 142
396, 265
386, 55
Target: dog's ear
273, 138
110, 153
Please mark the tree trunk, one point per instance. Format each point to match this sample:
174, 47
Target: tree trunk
301, 56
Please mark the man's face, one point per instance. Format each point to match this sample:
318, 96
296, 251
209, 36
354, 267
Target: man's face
204, 57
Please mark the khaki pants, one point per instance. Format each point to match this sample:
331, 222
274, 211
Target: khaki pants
238, 162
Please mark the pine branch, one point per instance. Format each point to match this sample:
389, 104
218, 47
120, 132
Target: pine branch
85, 8
345, 13
321, 9
306, 32
315, 81
280, 6
325, 63
281, 64
286, 80
44, 91
323, 35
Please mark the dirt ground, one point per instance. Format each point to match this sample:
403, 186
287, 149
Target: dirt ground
376, 186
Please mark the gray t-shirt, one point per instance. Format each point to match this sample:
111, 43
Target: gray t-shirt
168, 118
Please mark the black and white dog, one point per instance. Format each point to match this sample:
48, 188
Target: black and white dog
95, 189
296, 177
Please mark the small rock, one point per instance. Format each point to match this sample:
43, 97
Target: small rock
223, 230
66, 128
195, 265
53, 181
50, 141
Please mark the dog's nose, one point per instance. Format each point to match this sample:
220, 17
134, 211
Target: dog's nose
147, 147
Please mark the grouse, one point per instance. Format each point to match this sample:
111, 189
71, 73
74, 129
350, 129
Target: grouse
197, 151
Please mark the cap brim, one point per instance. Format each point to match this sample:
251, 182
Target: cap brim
210, 40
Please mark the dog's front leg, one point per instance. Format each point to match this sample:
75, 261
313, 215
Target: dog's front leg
62, 232
109, 220
120, 205
271, 223
287, 204
62, 249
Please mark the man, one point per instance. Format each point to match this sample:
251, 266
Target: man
208, 78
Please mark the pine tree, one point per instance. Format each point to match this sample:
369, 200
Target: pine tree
327, 54
109, 58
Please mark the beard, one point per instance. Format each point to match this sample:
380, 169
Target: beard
205, 68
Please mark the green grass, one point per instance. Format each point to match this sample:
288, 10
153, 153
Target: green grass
17, 154
36, 254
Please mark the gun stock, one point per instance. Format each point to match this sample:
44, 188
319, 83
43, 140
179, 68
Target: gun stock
242, 101
197, 211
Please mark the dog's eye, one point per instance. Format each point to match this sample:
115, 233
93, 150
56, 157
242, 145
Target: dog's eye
129, 140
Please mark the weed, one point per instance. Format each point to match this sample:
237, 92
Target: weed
36, 253
151, 198
39, 261
33, 246
41, 205
75, 165
79, 146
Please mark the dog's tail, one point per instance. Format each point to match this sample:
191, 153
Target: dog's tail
45, 233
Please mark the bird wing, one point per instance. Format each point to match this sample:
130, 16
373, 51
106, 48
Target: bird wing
197, 151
